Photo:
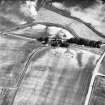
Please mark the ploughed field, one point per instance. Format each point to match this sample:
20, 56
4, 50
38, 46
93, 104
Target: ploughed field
98, 93
57, 77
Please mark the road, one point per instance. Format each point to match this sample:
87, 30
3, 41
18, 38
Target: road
64, 86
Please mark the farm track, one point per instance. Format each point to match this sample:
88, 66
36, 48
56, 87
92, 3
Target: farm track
31, 55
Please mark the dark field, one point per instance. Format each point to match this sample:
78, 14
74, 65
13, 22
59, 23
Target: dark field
13, 54
32, 74
98, 93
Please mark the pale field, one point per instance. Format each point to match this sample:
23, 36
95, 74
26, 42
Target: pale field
45, 15
42, 30
13, 54
57, 77
102, 67
12, 14
52, 77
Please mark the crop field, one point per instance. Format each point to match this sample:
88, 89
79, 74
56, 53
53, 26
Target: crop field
13, 54
45, 15
98, 93
33, 73
57, 78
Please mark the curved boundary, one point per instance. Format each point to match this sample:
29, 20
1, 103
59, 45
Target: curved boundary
36, 51
63, 13
68, 15
31, 55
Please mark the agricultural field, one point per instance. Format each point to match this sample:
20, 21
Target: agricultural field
33, 73
13, 54
57, 78
98, 93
